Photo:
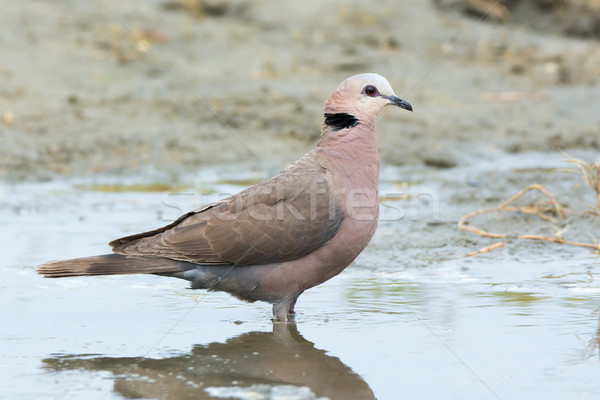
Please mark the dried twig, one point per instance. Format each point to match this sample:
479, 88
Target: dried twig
485, 249
559, 239
538, 209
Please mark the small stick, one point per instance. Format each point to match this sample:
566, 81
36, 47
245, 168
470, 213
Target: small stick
485, 249
462, 223
560, 240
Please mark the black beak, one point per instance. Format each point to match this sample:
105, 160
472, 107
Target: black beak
397, 101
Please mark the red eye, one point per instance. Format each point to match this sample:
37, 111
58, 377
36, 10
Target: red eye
370, 91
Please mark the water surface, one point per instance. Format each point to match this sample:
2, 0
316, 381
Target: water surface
486, 327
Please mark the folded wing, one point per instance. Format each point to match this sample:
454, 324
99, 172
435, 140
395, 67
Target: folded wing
280, 219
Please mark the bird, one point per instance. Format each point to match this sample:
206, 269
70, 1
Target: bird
273, 240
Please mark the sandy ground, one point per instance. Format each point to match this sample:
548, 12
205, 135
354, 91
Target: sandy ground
157, 90
241, 81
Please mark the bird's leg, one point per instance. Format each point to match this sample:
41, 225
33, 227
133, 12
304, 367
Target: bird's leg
292, 305
283, 308
279, 312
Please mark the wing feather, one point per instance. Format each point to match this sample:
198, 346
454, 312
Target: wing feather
280, 219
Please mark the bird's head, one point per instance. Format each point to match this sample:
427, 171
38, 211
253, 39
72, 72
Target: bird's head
363, 96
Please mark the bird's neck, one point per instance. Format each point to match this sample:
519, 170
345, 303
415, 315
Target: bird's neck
351, 156
352, 153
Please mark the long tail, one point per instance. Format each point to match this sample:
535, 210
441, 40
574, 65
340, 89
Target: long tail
108, 264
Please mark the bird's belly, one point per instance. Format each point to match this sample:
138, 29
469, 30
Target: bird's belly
354, 235
293, 277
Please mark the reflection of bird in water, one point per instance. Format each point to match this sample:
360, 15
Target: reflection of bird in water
281, 236
254, 361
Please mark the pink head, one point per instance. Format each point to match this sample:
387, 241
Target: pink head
363, 96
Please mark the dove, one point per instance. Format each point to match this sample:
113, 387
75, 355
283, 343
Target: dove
284, 235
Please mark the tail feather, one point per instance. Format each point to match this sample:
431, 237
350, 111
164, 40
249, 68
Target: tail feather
108, 264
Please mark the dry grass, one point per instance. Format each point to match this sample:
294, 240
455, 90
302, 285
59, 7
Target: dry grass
590, 175
548, 209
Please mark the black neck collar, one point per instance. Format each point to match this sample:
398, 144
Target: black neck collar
339, 121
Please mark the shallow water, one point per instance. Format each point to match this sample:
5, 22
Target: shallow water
478, 328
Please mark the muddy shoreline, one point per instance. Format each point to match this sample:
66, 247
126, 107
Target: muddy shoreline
235, 91
185, 88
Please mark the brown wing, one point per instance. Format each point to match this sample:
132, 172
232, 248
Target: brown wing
280, 219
